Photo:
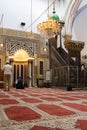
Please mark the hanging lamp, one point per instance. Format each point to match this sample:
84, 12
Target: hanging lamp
31, 34
48, 28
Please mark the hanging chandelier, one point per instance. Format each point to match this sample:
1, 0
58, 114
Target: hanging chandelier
50, 27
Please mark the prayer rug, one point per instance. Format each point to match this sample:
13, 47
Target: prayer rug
31, 100
33, 94
8, 101
55, 110
19, 95
4, 96
44, 128
50, 99
68, 98
77, 106
20, 113
81, 124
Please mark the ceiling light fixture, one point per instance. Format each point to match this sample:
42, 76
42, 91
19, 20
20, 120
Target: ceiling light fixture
49, 28
31, 34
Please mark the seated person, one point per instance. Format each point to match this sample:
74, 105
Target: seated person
19, 84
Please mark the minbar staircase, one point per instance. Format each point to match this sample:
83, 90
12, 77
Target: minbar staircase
59, 57
60, 67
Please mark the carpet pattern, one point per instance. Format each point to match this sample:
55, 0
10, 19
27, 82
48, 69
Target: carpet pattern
43, 109
19, 113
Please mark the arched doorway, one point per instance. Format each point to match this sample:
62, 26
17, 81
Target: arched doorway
21, 65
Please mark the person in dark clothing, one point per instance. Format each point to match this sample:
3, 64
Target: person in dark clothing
69, 88
19, 84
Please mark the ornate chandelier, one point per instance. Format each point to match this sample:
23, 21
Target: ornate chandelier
50, 27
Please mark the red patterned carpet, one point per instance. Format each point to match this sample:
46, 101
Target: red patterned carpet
43, 109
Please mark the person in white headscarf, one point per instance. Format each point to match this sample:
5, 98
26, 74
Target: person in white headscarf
7, 75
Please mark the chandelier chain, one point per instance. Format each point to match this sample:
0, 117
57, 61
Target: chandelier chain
40, 16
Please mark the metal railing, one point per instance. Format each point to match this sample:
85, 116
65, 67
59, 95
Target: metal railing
65, 75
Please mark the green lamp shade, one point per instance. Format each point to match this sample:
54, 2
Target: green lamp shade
55, 17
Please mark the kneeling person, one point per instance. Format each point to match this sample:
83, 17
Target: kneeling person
19, 84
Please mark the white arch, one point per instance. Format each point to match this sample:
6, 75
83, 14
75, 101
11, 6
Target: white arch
70, 13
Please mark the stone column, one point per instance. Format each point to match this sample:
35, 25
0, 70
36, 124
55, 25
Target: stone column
33, 73
30, 75
11, 62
